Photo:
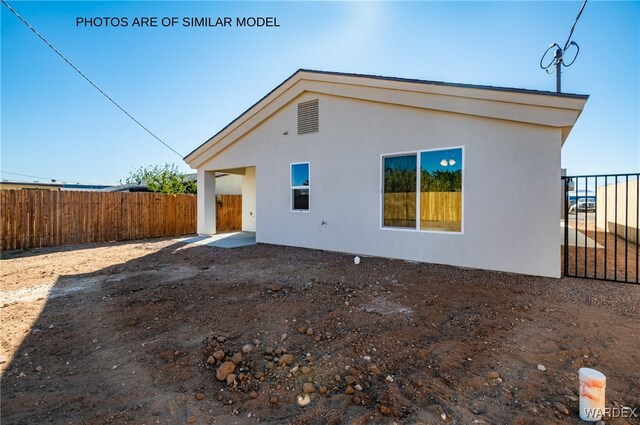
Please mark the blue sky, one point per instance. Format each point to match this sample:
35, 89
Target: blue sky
432, 160
185, 84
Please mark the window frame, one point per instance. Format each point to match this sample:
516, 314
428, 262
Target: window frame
292, 187
418, 153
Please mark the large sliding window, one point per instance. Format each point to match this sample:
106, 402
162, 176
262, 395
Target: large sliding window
300, 186
437, 206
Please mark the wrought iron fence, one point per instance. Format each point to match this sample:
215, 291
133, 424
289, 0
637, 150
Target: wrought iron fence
601, 226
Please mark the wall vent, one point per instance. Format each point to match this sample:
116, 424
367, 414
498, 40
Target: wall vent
308, 117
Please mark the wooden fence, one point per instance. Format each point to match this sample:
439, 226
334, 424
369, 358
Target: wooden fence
39, 218
434, 207
228, 213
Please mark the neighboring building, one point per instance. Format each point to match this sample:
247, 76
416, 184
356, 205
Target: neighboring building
226, 184
399, 168
7, 184
127, 188
617, 209
85, 187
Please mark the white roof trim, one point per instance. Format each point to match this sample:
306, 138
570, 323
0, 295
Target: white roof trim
540, 108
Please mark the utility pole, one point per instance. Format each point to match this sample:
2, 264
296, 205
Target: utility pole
558, 57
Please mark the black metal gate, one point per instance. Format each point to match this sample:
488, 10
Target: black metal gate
601, 220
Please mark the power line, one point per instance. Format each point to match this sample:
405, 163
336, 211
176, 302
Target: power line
87, 78
40, 177
566, 45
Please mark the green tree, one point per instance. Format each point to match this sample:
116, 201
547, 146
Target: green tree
162, 178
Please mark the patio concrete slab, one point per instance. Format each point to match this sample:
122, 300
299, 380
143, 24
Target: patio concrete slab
577, 238
223, 240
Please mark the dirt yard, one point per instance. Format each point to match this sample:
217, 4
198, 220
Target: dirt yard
139, 333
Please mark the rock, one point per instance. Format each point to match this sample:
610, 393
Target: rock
270, 365
384, 410
167, 356
192, 419
237, 358
358, 387
211, 360
95, 341
443, 416
374, 369
220, 339
268, 350
231, 378
276, 288
349, 390
247, 348
218, 355
309, 331
306, 370
323, 390
541, 367
561, 408
302, 329
493, 375
303, 400
224, 370
253, 394
308, 388
350, 379
200, 396
286, 359
389, 378
39, 368
273, 400
356, 400
259, 375
283, 337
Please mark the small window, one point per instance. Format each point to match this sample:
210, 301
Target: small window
308, 117
300, 186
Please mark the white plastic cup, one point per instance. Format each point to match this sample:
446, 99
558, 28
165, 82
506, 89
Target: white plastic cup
592, 386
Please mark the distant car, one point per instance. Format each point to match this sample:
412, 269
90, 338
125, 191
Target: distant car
586, 205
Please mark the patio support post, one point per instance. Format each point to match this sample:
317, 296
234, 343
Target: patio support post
206, 202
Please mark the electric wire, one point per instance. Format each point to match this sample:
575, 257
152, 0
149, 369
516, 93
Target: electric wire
87, 78
574, 25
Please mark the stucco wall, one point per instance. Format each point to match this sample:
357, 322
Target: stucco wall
625, 203
229, 184
505, 227
249, 200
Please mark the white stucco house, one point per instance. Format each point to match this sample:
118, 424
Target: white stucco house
399, 168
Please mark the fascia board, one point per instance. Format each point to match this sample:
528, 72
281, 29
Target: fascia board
540, 109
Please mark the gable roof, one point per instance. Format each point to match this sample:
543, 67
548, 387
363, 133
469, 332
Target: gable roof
560, 110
